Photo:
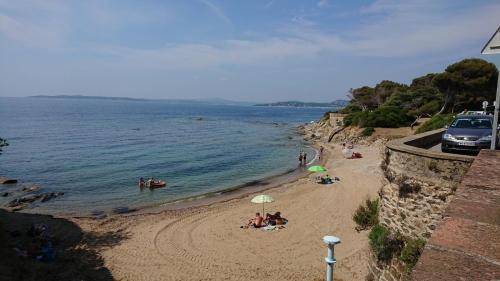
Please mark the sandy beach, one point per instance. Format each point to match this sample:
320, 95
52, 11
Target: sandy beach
207, 243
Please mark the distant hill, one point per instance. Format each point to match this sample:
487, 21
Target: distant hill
334, 104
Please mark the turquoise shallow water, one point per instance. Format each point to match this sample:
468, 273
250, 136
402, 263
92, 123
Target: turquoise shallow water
95, 150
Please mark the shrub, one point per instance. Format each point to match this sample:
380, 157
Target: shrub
411, 252
406, 188
350, 108
367, 215
384, 244
385, 117
368, 131
436, 122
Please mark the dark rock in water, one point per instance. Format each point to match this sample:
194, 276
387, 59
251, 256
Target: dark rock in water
48, 196
98, 214
23, 202
5, 180
5, 194
122, 210
31, 188
25, 199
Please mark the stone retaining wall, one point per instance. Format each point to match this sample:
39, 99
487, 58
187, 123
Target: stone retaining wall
394, 271
417, 187
418, 184
466, 244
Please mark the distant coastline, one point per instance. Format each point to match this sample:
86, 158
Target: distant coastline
214, 101
333, 104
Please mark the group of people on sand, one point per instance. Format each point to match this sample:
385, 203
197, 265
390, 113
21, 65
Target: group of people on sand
327, 179
270, 219
348, 153
302, 158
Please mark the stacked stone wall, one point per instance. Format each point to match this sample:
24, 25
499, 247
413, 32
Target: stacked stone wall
395, 270
416, 191
418, 185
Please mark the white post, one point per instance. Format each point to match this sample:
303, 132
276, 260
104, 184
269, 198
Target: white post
495, 117
493, 47
330, 242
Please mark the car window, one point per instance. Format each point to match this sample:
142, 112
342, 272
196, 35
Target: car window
461, 123
482, 124
472, 123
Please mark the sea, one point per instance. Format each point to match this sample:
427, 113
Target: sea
95, 150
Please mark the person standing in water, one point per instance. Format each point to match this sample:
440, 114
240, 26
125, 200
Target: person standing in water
305, 158
300, 158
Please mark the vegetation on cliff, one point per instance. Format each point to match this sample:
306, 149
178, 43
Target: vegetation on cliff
387, 246
436, 122
367, 215
463, 85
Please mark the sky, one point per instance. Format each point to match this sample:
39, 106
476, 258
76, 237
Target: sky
257, 51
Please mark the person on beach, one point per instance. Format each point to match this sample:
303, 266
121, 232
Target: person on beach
304, 158
300, 158
257, 221
348, 153
321, 148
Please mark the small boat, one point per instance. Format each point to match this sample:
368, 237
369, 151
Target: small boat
157, 184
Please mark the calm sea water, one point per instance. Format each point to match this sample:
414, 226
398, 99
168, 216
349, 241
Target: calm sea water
95, 150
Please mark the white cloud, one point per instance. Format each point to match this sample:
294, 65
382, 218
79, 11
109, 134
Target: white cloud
31, 34
389, 28
269, 4
216, 10
303, 21
395, 35
323, 3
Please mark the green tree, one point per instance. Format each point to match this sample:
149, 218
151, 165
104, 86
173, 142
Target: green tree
385, 89
423, 81
363, 97
466, 84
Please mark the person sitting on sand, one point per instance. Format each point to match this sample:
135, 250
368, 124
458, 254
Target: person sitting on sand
348, 153
278, 219
257, 221
275, 219
269, 220
326, 180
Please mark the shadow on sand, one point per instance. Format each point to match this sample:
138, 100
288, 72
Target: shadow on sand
76, 256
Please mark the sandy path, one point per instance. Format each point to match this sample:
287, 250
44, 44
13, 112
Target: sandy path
207, 244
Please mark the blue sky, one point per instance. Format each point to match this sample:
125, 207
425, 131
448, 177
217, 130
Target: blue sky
312, 50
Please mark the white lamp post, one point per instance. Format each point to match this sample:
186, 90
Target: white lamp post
330, 242
493, 47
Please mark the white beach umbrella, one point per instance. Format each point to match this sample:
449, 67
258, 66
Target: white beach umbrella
262, 199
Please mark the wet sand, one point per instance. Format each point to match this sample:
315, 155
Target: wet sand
206, 242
